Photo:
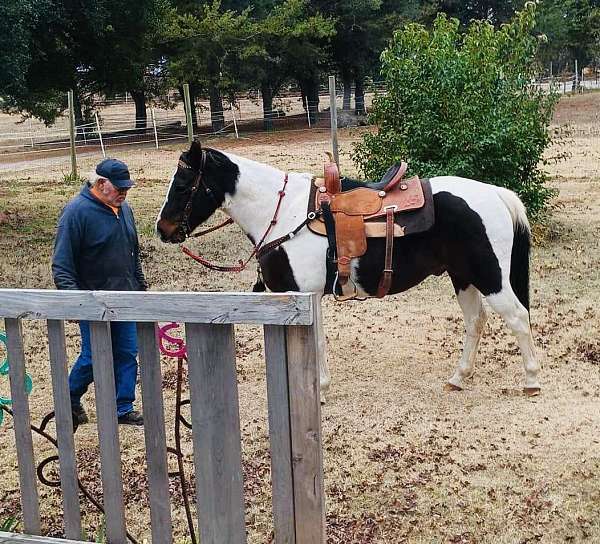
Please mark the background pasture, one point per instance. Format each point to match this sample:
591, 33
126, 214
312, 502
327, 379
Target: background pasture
404, 461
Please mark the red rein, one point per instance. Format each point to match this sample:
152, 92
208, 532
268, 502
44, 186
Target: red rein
241, 264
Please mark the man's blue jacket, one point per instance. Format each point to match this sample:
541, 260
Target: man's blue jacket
95, 249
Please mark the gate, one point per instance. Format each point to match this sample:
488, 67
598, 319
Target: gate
289, 322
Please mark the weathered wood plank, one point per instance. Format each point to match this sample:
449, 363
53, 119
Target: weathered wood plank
260, 308
305, 416
15, 538
155, 434
106, 413
216, 433
279, 433
24, 442
64, 428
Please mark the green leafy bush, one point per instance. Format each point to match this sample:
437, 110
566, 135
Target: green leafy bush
461, 103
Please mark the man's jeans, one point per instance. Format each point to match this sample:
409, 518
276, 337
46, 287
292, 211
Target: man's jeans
124, 347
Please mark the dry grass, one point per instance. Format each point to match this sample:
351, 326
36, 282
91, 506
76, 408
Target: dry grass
404, 461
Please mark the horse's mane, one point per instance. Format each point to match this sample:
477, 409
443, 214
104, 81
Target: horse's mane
221, 157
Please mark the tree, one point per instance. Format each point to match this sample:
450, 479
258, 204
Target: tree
38, 64
461, 104
495, 12
126, 56
15, 54
572, 28
284, 35
53, 46
202, 43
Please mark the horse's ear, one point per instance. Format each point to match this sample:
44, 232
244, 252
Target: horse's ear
195, 154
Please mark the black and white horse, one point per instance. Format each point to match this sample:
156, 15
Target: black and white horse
481, 238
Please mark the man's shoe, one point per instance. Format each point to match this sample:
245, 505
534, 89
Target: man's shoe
79, 415
131, 418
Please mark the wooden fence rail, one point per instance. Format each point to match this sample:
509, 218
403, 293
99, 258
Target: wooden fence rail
293, 403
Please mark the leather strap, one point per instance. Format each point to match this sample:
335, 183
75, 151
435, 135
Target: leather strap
332, 247
386, 277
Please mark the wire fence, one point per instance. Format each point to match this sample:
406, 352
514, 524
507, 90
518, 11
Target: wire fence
115, 125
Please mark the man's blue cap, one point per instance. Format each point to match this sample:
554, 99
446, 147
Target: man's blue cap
116, 172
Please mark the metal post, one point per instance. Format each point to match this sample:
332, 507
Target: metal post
100, 135
31, 131
576, 76
154, 125
333, 112
307, 112
234, 123
71, 103
188, 112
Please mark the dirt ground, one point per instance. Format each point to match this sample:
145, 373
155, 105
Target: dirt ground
404, 460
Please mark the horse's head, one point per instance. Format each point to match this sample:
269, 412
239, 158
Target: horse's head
199, 186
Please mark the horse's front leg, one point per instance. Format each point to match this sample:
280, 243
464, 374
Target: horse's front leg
324, 376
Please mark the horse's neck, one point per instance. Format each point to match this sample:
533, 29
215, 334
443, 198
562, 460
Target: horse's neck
256, 198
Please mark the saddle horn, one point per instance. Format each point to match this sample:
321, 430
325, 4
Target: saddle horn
332, 175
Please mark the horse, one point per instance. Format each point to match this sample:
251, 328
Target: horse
480, 237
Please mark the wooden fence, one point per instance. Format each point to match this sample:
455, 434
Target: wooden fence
293, 399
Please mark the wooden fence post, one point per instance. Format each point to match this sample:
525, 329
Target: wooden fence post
216, 433
305, 427
188, 112
22, 422
108, 432
70, 100
155, 434
64, 428
278, 394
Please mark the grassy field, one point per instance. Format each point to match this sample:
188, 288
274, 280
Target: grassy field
404, 461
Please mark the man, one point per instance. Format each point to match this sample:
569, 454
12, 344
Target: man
97, 248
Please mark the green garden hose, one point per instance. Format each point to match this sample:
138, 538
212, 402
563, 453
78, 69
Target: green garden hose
5, 401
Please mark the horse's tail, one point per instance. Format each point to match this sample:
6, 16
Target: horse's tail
519, 259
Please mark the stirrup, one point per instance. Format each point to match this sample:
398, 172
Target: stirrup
344, 298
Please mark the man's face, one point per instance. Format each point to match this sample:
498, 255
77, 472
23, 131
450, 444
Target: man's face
111, 195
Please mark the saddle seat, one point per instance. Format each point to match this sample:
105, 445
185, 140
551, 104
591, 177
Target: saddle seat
365, 212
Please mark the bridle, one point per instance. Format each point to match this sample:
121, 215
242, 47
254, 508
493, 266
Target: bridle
184, 223
260, 248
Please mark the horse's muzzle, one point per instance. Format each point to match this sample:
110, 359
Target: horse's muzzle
170, 233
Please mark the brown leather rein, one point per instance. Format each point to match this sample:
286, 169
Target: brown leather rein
259, 249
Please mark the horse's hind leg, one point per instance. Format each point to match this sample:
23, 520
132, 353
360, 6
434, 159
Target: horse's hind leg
475, 316
516, 317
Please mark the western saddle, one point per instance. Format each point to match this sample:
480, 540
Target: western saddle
372, 211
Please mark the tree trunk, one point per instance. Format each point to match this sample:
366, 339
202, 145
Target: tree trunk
216, 108
347, 93
141, 115
267, 100
359, 96
310, 88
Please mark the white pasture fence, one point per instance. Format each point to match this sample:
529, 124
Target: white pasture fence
289, 322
